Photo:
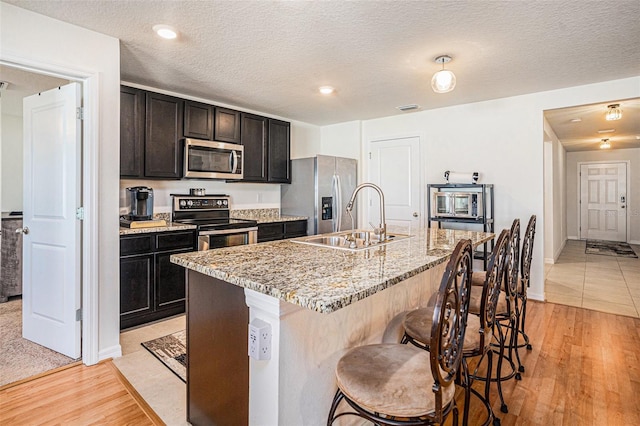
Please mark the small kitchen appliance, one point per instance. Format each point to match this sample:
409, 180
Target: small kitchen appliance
212, 159
140, 200
457, 204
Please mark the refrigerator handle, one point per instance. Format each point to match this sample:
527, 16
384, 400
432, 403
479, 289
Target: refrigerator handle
338, 202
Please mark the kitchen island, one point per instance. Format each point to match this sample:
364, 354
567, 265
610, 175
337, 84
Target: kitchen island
318, 301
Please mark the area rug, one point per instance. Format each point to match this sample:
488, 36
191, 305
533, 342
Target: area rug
171, 350
609, 248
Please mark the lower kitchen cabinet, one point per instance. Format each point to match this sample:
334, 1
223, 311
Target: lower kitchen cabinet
151, 287
281, 230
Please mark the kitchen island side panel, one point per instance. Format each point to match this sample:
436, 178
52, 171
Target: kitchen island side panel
218, 365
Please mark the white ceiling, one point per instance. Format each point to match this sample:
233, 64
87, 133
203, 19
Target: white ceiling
22, 84
272, 56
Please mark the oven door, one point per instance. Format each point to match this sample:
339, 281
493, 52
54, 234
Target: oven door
441, 206
208, 240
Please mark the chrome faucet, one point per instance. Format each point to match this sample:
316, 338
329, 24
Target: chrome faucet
381, 230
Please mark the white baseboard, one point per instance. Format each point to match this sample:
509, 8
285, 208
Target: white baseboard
556, 255
549, 261
637, 242
572, 237
112, 352
535, 296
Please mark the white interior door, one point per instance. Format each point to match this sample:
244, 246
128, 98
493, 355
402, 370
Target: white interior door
51, 233
603, 201
395, 167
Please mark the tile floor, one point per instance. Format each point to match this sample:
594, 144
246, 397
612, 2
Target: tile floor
165, 393
602, 283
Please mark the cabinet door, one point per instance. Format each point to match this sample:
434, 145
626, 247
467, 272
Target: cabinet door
170, 281
270, 231
254, 140
132, 113
162, 148
227, 125
279, 160
136, 286
297, 228
198, 120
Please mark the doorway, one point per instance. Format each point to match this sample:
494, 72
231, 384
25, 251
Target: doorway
28, 357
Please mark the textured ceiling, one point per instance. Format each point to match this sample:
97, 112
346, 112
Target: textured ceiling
584, 136
272, 56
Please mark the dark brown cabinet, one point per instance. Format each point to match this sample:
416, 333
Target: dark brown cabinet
163, 130
227, 125
151, 287
198, 120
279, 158
281, 230
132, 116
254, 140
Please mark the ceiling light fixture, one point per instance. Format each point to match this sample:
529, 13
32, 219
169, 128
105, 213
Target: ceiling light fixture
605, 144
409, 107
576, 120
613, 113
326, 90
606, 131
165, 31
444, 80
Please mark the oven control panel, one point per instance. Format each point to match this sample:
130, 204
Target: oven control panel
200, 203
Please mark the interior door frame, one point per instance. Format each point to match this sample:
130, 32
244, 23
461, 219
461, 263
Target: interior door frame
89, 189
363, 216
627, 164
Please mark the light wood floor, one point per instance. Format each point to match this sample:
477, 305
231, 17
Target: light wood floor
79, 395
584, 369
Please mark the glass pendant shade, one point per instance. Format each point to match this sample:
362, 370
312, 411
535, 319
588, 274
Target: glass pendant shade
443, 81
614, 112
605, 144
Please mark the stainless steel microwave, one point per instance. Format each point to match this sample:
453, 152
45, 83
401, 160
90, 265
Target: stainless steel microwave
212, 160
457, 204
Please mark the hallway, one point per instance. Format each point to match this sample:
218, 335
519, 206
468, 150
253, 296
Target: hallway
602, 283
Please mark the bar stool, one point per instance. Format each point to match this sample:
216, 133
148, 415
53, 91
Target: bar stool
395, 384
525, 275
477, 341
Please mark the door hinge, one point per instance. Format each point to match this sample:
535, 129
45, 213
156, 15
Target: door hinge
79, 314
80, 213
369, 156
80, 113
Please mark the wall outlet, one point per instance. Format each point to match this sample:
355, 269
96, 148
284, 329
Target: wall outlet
259, 339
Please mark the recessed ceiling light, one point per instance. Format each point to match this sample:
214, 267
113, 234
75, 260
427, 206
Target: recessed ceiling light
409, 107
606, 131
165, 31
605, 144
326, 90
576, 120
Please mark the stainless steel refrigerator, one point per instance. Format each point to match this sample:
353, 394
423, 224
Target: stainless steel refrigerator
320, 189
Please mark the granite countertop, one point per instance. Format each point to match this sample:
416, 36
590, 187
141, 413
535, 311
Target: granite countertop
326, 279
264, 215
170, 226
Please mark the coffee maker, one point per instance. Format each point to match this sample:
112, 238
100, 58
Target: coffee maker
140, 203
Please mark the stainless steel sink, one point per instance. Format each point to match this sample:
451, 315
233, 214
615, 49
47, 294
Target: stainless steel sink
357, 239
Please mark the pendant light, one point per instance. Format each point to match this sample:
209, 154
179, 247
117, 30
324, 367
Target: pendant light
613, 112
605, 144
444, 80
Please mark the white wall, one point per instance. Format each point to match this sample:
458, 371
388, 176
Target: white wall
11, 169
502, 139
305, 140
39, 42
555, 216
633, 196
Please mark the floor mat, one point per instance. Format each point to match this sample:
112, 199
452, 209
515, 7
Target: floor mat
609, 248
171, 350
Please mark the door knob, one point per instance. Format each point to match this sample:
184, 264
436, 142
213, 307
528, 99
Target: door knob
415, 214
24, 230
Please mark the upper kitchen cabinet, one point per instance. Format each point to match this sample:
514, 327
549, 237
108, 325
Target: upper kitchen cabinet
198, 120
254, 140
227, 125
279, 155
163, 131
132, 115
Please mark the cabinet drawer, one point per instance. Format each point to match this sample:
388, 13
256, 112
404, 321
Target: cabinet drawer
136, 245
175, 240
297, 228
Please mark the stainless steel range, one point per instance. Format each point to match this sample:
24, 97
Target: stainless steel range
210, 213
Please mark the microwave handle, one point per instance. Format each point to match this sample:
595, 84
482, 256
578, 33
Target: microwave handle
234, 161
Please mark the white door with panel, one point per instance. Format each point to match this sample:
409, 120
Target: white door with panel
51, 234
603, 201
394, 165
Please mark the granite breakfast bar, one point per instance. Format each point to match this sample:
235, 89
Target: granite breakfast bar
318, 301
